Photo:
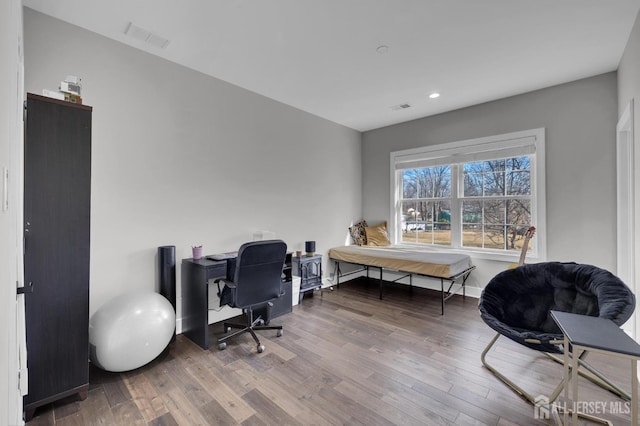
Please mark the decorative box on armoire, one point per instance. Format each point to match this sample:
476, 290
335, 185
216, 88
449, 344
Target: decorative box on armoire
57, 203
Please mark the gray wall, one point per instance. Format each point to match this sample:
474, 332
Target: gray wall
580, 120
180, 158
629, 74
628, 90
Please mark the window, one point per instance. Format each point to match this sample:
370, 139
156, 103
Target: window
480, 195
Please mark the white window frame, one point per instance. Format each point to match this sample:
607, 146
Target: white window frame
530, 141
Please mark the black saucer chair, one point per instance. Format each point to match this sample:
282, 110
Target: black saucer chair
516, 304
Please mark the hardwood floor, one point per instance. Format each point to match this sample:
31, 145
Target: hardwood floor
345, 358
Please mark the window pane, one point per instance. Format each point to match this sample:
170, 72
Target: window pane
472, 212
409, 184
442, 182
473, 183
494, 177
493, 166
408, 222
472, 167
434, 182
415, 220
494, 212
441, 222
409, 236
518, 177
516, 236
426, 222
410, 215
425, 183
519, 183
494, 237
519, 212
472, 235
472, 224
473, 179
495, 224
519, 163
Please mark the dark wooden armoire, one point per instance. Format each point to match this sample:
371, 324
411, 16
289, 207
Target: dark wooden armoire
57, 203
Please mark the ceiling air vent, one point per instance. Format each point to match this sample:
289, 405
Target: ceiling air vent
141, 34
400, 107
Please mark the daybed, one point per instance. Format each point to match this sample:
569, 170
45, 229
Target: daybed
450, 267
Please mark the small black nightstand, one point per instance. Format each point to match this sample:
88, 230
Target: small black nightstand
309, 269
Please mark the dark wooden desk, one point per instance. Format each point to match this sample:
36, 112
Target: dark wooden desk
595, 335
195, 296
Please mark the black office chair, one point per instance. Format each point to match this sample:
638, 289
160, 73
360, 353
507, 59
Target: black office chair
257, 280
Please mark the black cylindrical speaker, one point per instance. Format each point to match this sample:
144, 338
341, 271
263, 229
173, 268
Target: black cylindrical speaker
310, 247
167, 275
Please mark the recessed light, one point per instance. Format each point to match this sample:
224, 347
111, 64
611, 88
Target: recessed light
434, 95
382, 49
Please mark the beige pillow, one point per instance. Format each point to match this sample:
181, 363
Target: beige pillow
377, 235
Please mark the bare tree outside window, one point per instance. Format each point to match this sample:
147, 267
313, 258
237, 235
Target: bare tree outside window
495, 203
503, 216
426, 205
477, 195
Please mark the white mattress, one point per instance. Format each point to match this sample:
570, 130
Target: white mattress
407, 259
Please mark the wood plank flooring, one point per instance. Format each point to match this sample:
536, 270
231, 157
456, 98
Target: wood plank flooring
346, 358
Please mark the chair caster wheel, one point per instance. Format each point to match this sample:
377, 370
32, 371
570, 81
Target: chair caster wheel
260, 348
279, 333
227, 330
222, 346
260, 322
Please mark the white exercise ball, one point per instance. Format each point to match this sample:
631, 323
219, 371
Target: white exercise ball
130, 330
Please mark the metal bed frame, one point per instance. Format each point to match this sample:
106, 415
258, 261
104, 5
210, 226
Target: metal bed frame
445, 294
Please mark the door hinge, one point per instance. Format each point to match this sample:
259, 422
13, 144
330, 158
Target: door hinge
23, 381
5, 189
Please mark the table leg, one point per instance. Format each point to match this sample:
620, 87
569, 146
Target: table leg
574, 383
634, 391
195, 304
567, 380
442, 296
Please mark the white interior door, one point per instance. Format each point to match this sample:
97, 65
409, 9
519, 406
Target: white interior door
625, 209
11, 137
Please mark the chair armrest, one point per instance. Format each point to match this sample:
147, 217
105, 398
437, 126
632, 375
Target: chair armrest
227, 283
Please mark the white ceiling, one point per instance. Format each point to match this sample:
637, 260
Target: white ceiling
320, 55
